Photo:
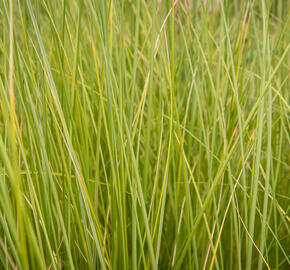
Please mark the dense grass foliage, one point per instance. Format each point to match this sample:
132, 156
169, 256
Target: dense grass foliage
141, 134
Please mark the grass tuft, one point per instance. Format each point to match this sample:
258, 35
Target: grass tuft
144, 134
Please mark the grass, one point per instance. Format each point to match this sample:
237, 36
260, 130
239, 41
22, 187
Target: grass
136, 135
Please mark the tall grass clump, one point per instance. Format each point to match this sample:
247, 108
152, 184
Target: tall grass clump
140, 134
